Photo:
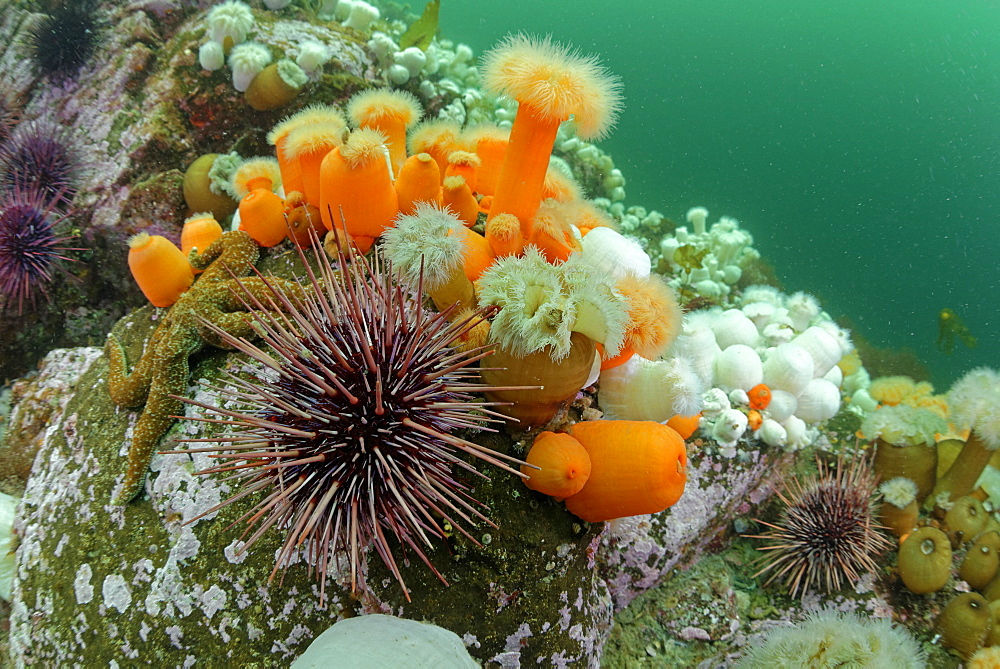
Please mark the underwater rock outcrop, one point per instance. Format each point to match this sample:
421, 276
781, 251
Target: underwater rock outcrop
542, 585
530, 591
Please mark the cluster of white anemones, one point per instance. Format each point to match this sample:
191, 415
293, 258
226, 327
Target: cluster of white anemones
783, 341
723, 249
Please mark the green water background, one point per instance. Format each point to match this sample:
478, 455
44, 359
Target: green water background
859, 141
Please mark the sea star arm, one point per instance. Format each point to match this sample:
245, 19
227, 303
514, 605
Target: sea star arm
129, 389
170, 378
236, 253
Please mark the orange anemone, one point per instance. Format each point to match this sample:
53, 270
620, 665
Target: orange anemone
760, 397
637, 467
563, 465
199, 231
419, 180
390, 112
550, 82
162, 272
457, 196
356, 185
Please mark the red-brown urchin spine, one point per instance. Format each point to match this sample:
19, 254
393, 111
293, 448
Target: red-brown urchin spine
350, 424
827, 532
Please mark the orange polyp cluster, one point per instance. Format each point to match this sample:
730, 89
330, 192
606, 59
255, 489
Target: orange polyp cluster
484, 169
633, 468
160, 269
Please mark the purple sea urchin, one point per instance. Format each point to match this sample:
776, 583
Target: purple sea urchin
827, 531
30, 247
348, 430
38, 158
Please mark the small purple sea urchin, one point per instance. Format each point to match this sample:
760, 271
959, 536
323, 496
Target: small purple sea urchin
827, 531
38, 157
348, 430
30, 247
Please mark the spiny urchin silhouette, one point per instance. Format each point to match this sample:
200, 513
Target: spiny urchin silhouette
30, 246
65, 37
827, 532
348, 432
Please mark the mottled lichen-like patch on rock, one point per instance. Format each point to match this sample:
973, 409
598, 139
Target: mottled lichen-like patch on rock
40, 400
638, 552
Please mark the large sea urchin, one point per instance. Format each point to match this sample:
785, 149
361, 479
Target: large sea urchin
348, 428
826, 533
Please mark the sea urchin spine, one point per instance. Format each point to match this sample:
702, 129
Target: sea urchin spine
827, 531
348, 430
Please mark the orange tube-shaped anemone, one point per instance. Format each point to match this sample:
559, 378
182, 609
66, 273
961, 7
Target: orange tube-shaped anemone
390, 112
456, 195
262, 216
162, 272
357, 185
549, 82
563, 462
199, 231
308, 146
255, 173
503, 233
491, 147
436, 138
419, 180
291, 172
637, 467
